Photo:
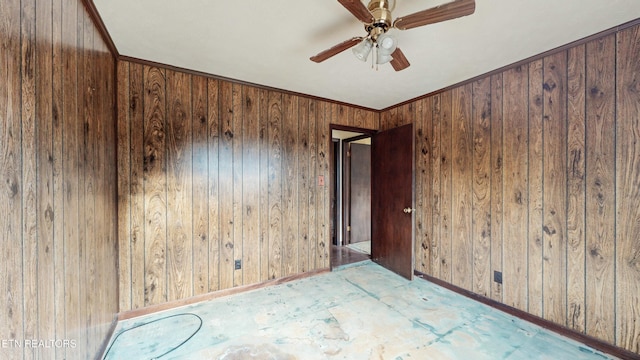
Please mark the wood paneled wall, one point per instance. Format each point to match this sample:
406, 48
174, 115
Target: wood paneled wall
535, 172
211, 172
58, 276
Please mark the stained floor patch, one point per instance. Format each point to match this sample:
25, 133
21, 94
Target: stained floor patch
356, 312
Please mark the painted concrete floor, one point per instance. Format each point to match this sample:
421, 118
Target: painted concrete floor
359, 311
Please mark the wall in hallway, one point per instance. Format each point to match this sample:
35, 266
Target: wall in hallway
58, 275
535, 172
212, 172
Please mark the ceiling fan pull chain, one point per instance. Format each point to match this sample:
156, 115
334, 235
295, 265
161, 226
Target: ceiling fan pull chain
373, 56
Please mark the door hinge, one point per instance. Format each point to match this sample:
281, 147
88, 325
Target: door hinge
349, 228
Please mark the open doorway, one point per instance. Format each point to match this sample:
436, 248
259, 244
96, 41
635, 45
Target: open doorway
350, 195
391, 201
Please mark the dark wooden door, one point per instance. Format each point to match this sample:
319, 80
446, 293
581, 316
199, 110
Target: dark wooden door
392, 200
360, 192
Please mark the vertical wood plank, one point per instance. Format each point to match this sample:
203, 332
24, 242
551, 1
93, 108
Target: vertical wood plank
88, 151
358, 118
200, 230
44, 175
343, 114
515, 185
71, 186
138, 217
600, 187
462, 177
290, 247
628, 191
83, 79
436, 203
238, 213
314, 108
251, 185
497, 181
389, 119
323, 197
226, 192
481, 119
423, 123
58, 117
97, 135
304, 183
108, 267
155, 186
107, 246
124, 188
536, 171
29, 166
446, 186
372, 120
12, 188
111, 258
394, 118
215, 229
427, 182
264, 184
107, 278
323, 117
406, 114
555, 188
576, 175
179, 187
275, 185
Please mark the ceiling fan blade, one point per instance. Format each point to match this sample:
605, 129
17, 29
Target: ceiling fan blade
452, 10
399, 61
336, 49
357, 8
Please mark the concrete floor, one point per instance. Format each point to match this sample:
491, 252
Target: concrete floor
358, 311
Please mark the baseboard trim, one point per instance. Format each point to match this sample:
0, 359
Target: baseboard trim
562, 330
129, 314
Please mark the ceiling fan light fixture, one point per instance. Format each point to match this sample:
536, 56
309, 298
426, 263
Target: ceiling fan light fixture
386, 44
383, 58
362, 50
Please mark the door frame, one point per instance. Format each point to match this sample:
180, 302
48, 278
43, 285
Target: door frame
332, 169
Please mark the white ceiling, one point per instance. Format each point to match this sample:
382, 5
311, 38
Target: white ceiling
269, 42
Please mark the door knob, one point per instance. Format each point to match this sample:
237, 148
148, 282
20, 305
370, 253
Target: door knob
408, 210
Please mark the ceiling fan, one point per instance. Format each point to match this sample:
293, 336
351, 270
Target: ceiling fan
378, 21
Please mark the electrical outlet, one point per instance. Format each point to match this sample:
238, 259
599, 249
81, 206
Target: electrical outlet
497, 277
238, 264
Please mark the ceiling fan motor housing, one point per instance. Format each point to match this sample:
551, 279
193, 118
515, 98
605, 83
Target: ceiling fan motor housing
381, 11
